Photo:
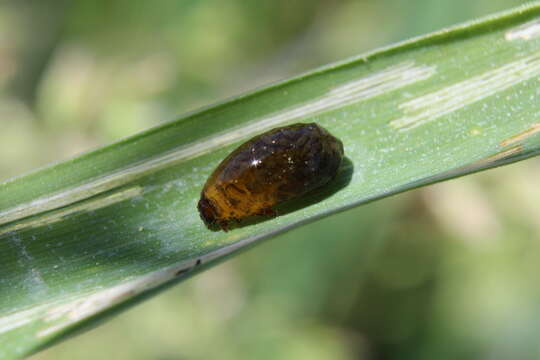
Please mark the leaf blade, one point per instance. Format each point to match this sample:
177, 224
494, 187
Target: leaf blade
85, 236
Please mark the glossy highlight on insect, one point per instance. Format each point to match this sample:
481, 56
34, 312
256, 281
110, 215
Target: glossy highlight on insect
270, 169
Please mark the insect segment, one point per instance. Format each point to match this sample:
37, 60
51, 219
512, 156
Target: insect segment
276, 166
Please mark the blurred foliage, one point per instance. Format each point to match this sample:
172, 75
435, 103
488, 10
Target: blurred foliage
454, 270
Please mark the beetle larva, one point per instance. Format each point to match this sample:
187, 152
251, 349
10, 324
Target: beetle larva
274, 167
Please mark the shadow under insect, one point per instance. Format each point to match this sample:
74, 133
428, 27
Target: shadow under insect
342, 179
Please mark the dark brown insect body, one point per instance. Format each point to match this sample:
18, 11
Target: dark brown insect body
271, 168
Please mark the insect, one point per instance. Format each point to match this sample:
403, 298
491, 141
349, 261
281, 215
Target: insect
271, 168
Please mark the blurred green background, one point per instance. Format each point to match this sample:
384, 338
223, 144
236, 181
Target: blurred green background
449, 271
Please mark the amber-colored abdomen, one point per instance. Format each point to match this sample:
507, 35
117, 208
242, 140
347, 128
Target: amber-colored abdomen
279, 165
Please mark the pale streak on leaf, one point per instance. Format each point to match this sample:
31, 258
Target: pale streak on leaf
380, 83
21, 317
435, 105
526, 31
90, 205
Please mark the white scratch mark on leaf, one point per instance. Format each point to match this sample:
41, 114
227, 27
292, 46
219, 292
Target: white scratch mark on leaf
21, 318
526, 31
432, 106
86, 206
382, 82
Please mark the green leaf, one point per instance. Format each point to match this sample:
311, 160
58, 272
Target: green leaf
85, 238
